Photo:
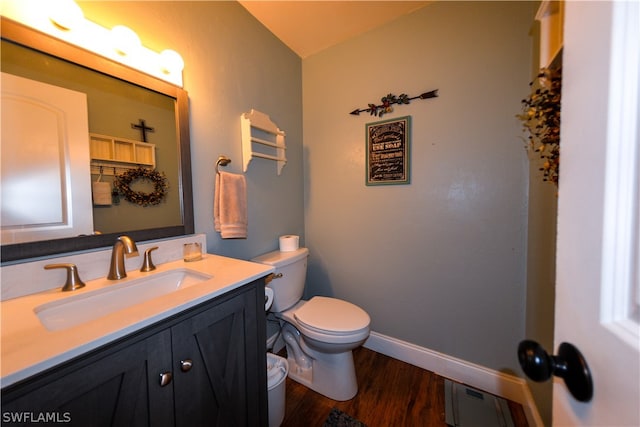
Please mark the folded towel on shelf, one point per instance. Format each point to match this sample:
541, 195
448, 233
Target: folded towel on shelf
230, 206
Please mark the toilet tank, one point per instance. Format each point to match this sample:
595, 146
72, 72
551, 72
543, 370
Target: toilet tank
290, 275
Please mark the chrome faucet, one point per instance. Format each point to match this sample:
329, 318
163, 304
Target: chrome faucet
123, 245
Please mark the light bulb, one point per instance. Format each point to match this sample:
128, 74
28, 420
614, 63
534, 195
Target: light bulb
171, 61
125, 40
66, 14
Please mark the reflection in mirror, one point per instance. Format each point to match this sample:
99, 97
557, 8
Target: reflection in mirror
133, 120
45, 162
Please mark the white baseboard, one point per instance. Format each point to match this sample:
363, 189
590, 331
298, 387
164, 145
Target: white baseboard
494, 382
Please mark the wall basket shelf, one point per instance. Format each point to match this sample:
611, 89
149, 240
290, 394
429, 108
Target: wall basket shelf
110, 152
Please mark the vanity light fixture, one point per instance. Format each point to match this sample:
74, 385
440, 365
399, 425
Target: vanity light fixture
64, 20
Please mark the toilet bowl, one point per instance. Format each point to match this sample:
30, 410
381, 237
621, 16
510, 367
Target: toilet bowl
320, 333
331, 324
319, 351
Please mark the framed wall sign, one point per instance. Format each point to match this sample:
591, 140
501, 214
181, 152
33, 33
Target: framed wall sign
388, 144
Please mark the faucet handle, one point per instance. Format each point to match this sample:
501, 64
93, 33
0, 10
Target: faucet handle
73, 278
147, 264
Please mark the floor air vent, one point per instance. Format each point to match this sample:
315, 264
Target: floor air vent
468, 407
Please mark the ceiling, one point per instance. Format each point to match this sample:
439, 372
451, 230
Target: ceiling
307, 27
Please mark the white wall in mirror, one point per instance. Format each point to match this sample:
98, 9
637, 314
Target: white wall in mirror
45, 162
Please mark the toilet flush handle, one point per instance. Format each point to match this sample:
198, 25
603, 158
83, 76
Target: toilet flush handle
272, 276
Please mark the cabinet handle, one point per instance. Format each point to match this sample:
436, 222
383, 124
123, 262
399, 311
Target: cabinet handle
165, 378
186, 365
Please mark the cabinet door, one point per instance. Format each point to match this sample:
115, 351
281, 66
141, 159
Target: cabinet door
222, 386
120, 389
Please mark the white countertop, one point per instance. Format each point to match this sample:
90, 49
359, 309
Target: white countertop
28, 347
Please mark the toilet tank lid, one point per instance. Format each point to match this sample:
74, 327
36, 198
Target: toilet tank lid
280, 259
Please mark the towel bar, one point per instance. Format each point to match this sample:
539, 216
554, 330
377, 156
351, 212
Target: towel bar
222, 161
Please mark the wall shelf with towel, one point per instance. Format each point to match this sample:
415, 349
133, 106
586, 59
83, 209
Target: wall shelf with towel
262, 138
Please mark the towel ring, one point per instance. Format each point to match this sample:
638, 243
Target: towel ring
222, 161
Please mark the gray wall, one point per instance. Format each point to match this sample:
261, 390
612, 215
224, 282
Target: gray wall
541, 256
441, 262
541, 261
232, 64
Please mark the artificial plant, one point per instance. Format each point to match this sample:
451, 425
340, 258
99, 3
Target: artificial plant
541, 120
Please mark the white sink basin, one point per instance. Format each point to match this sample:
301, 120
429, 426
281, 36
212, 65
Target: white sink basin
88, 306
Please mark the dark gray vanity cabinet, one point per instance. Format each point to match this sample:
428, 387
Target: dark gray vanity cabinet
203, 367
108, 389
211, 356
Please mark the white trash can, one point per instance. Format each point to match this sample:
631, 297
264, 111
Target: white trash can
277, 370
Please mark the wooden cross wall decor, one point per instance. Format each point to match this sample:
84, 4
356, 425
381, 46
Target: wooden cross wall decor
143, 128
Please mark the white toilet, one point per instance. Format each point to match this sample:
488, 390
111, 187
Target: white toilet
320, 333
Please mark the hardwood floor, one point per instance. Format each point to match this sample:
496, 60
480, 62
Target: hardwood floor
390, 393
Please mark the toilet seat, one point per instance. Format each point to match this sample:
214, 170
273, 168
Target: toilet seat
332, 317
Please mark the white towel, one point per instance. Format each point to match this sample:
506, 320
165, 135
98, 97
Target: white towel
230, 206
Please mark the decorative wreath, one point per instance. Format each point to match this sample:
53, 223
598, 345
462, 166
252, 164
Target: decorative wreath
123, 181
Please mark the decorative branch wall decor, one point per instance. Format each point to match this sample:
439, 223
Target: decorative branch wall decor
389, 100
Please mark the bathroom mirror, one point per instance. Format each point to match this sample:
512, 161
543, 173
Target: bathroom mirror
140, 223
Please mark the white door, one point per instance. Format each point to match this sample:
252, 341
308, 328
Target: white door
597, 288
45, 171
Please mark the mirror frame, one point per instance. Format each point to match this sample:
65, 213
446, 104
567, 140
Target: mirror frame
19, 34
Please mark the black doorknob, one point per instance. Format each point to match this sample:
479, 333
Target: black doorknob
569, 365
